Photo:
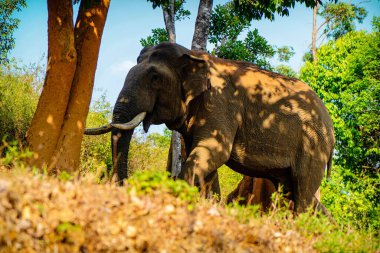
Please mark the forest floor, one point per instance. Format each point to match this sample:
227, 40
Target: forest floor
44, 214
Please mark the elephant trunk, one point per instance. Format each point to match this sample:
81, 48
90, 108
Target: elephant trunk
120, 141
125, 119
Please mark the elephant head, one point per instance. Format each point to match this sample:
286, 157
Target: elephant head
157, 90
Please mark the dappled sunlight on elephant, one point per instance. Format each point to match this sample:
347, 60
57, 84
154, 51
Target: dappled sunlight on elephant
258, 123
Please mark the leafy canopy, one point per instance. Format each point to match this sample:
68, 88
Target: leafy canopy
7, 26
180, 12
346, 76
340, 18
158, 35
253, 9
226, 28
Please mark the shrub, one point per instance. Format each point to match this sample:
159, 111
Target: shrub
351, 199
19, 92
95, 151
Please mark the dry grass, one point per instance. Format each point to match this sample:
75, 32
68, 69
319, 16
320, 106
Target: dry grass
40, 214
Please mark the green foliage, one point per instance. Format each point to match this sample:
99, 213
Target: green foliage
150, 181
226, 25
180, 12
252, 9
65, 176
340, 18
228, 180
96, 150
159, 140
225, 28
148, 152
286, 71
19, 92
346, 77
158, 35
353, 201
254, 48
7, 26
12, 155
285, 53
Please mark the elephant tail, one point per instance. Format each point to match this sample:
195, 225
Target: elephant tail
329, 165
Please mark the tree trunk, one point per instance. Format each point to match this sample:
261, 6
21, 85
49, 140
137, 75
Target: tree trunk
57, 127
88, 33
175, 165
45, 128
202, 25
314, 34
169, 15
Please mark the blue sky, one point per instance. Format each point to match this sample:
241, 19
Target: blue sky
129, 21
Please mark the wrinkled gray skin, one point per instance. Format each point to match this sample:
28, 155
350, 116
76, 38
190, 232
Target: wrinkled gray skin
257, 122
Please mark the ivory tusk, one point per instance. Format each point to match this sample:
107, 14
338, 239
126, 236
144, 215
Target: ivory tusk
131, 124
98, 130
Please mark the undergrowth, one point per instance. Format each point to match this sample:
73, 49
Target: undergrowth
326, 236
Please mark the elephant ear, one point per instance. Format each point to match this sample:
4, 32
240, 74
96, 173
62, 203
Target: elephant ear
195, 76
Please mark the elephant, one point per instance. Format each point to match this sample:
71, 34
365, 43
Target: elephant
257, 122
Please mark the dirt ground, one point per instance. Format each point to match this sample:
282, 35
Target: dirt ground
47, 215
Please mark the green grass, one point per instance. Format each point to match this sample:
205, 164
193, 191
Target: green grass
228, 180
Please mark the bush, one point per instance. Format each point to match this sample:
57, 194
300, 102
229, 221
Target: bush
351, 199
19, 92
148, 152
96, 150
346, 77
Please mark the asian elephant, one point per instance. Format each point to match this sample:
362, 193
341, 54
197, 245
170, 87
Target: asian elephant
257, 122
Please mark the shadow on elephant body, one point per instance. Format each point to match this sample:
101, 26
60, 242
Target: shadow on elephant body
259, 123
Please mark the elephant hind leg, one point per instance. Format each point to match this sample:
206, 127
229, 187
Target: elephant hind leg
306, 175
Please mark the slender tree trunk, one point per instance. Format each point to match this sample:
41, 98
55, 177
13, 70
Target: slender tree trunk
57, 127
202, 25
45, 128
314, 33
174, 160
169, 14
88, 33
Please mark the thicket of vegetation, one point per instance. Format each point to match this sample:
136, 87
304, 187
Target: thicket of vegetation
346, 77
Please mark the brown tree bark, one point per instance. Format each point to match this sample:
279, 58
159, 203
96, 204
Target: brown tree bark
57, 127
88, 33
202, 26
45, 128
169, 15
314, 33
174, 160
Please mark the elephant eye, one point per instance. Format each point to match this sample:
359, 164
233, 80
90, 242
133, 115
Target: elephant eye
154, 75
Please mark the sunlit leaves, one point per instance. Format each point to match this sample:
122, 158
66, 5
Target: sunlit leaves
225, 28
346, 77
340, 18
253, 9
7, 25
180, 12
19, 92
158, 35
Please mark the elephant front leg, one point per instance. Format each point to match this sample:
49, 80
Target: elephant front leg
201, 166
